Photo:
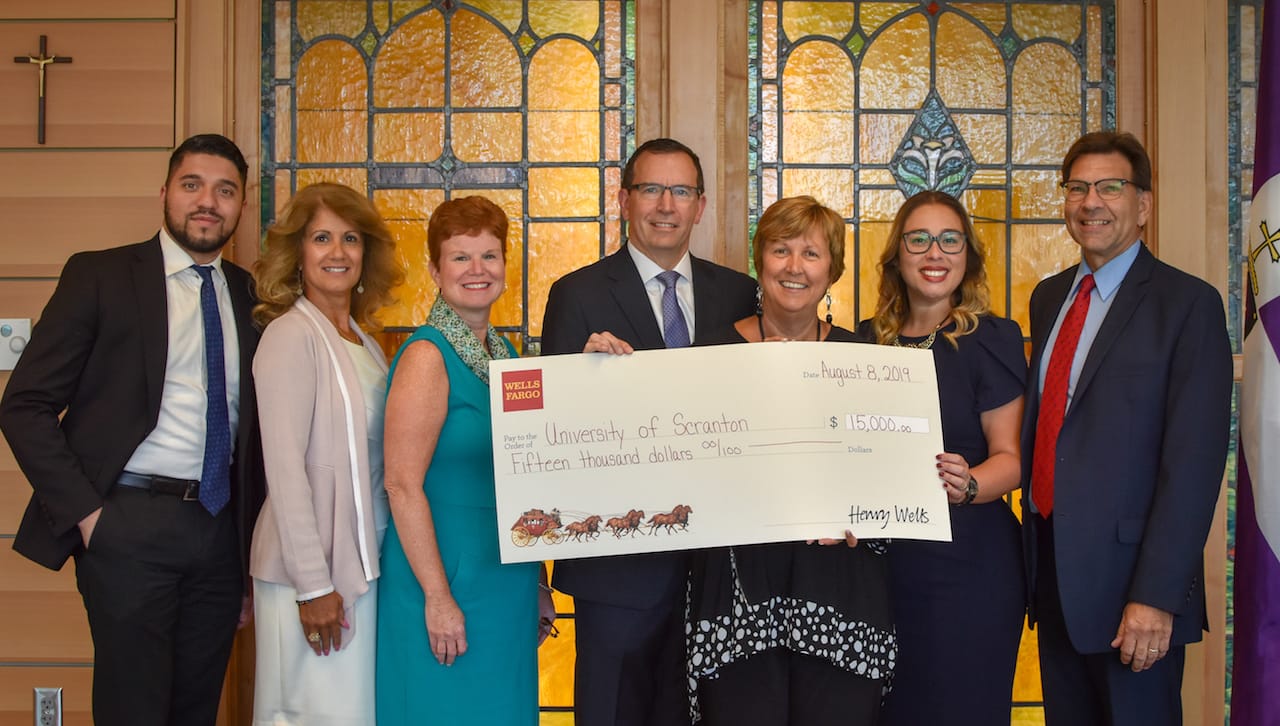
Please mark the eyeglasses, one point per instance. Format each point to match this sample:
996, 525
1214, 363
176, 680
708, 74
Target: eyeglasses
919, 241
1107, 189
679, 192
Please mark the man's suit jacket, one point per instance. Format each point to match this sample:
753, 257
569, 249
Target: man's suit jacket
1141, 453
610, 296
98, 353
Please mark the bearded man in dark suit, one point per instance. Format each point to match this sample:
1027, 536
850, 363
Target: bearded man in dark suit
131, 412
629, 611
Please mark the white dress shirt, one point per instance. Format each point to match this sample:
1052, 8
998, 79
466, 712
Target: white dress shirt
175, 447
649, 271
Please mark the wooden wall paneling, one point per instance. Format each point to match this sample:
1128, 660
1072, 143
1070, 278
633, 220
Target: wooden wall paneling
74, 9
116, 92
56, 203
17, 682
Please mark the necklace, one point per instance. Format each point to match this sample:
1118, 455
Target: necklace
817, 335
924, 344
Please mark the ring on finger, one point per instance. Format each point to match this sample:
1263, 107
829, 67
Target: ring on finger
313, 637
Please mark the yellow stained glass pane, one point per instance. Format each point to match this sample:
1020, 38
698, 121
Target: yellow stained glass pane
331, 76
282, 186
612, 215
552, 17
1248, 131
1026, 678
563, 76
564, 192
405, 211
409, 71
1038, 251
284, 25
612, 39
817, 137
768, 40
1021, 716
329, 136
483, 63
971, 71
1059, 21
564, 135
402, 8
877, 177
832, 187
613, 136
842, 291
357, 179
1094, 104
408, 137
873, 15
990, 177
556, 248
895, 66
408, 205
992, 236
984, 133
871, 239
990, 15
330, 17
612, 94
506, 12
1094, 59
1046, 102
1248, 51
881, 134
1036, 194
879, 205
985, 205
555, 666
831, 20
487, 137
769, 184
818, 77
283, 124
769, 122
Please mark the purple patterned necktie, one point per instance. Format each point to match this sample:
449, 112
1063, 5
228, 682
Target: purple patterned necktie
215, 484
675, 331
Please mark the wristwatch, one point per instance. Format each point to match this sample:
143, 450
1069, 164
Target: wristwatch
970, 491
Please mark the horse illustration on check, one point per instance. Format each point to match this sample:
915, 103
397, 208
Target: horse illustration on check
535, 524
678, 517
629, 524
588, 528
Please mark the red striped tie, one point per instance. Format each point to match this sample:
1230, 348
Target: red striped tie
1053, 402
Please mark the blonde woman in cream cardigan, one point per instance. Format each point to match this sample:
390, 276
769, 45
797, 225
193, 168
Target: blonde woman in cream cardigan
328, 266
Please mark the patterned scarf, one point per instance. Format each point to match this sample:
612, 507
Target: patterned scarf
465, 342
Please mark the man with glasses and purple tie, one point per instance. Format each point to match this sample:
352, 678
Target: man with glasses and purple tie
131, 413
629, 611
1124, 442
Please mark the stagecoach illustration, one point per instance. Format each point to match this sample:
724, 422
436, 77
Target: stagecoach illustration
536, 524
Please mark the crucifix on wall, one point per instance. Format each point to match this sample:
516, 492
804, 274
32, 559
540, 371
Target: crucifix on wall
41, 61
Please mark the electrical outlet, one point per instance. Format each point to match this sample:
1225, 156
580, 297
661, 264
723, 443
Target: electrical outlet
48, 707
14, 334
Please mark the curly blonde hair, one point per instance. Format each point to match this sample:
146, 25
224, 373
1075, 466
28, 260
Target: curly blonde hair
277, 271
971, 299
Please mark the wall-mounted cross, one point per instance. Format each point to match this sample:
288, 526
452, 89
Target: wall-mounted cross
40, 62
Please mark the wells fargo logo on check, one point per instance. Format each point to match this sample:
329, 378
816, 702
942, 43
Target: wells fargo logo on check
522, 390
720, 445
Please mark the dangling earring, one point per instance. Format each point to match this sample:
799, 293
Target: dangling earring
360, 287
759, 300
828, 307
298, 288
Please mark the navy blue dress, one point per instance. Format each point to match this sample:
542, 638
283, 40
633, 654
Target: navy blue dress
959, 606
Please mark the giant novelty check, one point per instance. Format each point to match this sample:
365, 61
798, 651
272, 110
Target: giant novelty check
718, 445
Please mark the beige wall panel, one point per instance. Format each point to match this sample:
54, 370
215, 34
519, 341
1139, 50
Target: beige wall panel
23, 299
19, 573
14, 493
118, 91
44, 627
17, 682
58, 203
71, 9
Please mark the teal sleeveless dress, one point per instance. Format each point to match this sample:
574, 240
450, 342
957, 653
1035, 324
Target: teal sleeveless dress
496, 680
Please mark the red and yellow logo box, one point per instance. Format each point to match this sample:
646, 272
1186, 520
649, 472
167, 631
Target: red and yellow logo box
522, 390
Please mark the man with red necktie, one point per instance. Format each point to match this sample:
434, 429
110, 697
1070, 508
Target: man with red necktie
1123, 447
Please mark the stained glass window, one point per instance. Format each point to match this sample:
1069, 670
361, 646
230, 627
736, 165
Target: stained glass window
862, 104
527, 102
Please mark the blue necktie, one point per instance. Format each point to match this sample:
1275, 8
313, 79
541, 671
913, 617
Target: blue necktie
215, 484
675, 331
